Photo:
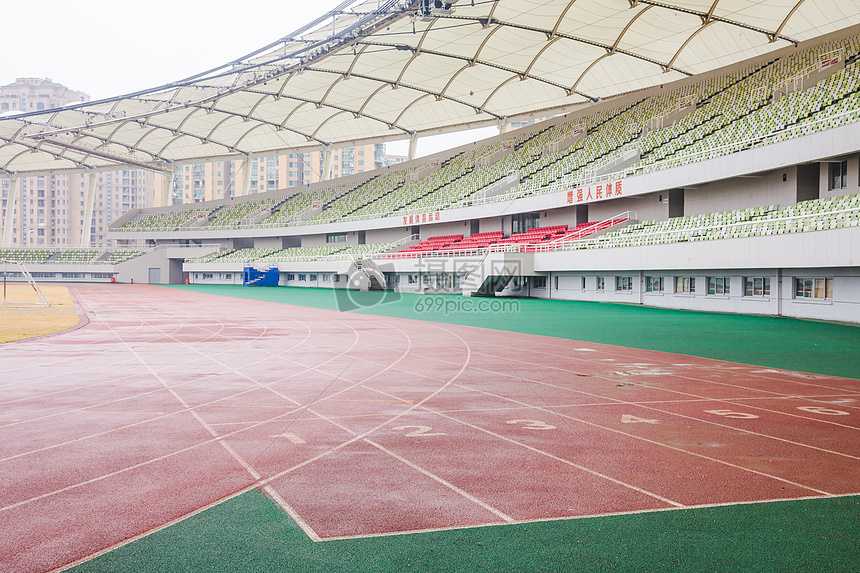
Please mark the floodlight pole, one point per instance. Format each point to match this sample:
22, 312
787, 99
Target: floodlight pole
8, 221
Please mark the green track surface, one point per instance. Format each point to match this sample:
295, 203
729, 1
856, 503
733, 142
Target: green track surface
249, 533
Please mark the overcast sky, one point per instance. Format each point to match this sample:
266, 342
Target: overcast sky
108, 48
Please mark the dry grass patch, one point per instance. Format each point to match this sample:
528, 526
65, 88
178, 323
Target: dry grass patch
21, 323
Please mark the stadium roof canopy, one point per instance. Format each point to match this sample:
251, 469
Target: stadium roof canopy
389, 69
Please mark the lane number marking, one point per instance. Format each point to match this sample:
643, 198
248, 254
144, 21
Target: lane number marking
731, 414
291, 437
631, 419
822, 410
420, 431
532, 424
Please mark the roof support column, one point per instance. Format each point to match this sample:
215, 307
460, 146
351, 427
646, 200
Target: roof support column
246, 177
413, 146
327, 159
8, 220
167, 189
88, 210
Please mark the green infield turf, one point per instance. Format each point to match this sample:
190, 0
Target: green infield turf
249, 533
801, 345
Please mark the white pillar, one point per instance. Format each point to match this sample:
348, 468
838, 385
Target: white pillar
11, 201
89, 206
327, 159
167, 189
246, 177
413, 146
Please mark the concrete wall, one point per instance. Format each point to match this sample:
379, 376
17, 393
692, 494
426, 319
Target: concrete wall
647, 207
492, 224
387, 235
442, 229
743, 193
268, 243
320, 239
843, 306
853, 179
563, 216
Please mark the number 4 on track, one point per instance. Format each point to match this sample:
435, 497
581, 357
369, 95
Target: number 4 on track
631, 419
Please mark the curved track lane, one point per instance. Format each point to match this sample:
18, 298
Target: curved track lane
168, 402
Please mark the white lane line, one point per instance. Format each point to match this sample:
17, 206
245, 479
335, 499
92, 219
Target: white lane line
562, 460
579, 517
292, 513
634, 436
149, 532
418, 405
290, 436
444, 482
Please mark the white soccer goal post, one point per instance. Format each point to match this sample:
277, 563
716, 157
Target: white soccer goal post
20, 270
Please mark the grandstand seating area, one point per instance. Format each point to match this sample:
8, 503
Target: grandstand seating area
116, 257
69, 256
164, 221
543, 237
233, 215
536, 235
75, 256
764, 103
814, 215
277, 255
26, 255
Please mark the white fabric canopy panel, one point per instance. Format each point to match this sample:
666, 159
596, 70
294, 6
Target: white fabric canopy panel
402, 68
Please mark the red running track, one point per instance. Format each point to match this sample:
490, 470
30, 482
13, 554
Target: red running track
168, 402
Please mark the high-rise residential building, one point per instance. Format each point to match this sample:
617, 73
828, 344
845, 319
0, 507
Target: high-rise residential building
391, 159
49, 209
37, 94
221, 179
524, 123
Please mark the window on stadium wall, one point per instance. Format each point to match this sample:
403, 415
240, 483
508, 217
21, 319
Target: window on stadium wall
522, 222
624, 284
756, 286
719, 285
653, 284
813, 288
335, 238
685, 285
839, 175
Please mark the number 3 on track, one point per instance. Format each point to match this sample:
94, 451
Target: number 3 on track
532, 424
